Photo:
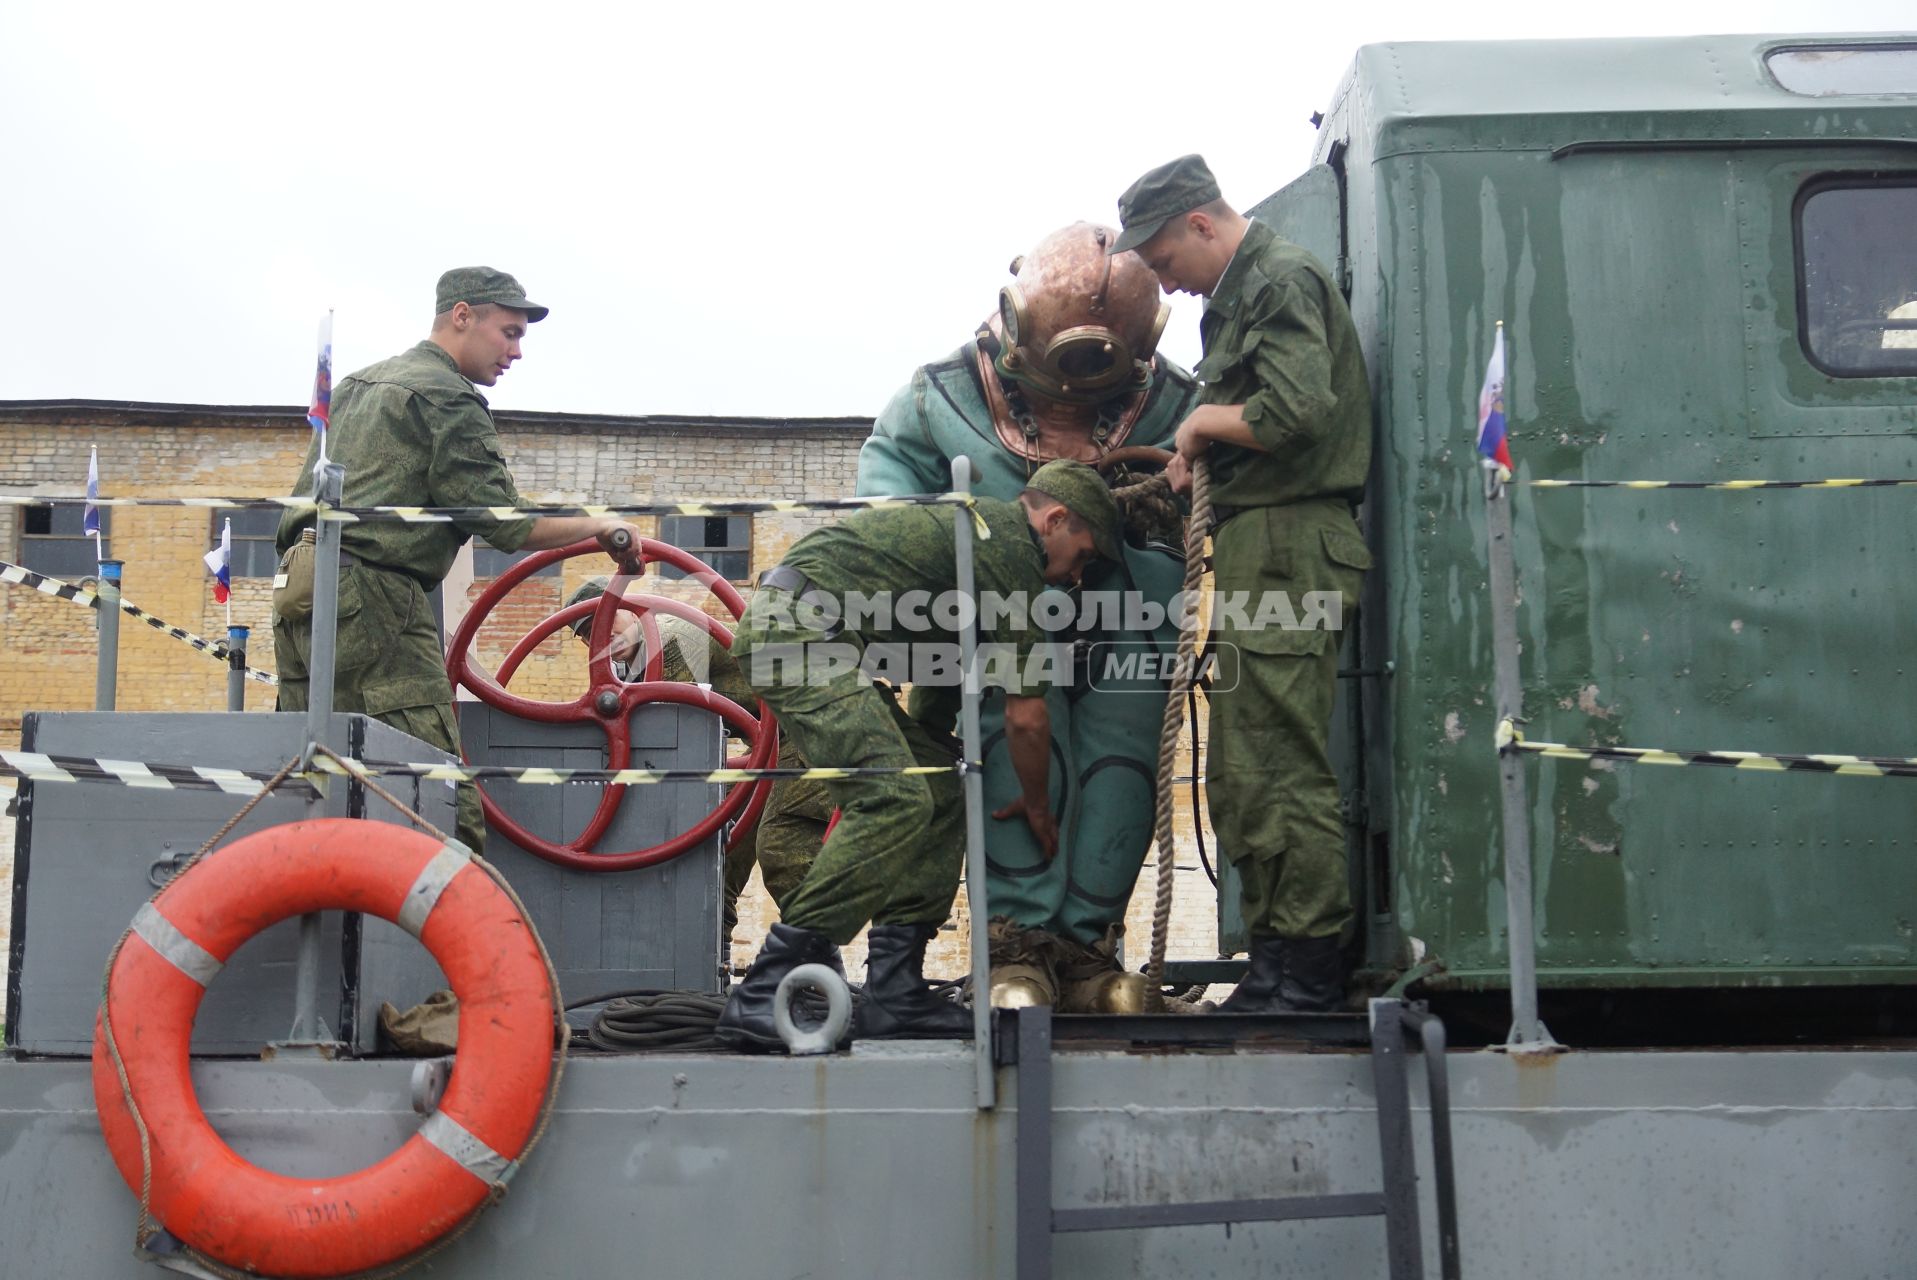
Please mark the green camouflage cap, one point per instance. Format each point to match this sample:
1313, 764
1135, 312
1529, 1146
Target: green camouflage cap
1161, 195
1085, 495
476, 286
590, 589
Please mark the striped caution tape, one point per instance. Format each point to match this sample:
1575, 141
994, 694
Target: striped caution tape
19, 575
35, 767
444, 515
1509, 739
625, 777
1738, 485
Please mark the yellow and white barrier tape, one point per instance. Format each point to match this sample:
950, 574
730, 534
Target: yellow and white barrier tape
20, 575
1510, 739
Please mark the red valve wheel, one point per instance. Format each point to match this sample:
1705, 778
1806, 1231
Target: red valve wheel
609, 701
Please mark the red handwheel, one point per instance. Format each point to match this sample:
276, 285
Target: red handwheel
609, 701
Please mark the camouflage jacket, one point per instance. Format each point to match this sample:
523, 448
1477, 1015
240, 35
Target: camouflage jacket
906, 555
1279, 340
411, 431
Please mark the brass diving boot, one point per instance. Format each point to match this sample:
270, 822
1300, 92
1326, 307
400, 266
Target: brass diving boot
1022, 973
1093, 981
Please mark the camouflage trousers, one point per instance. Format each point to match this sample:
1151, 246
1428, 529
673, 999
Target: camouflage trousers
387, 664
1272, 793
784, 842
896, 854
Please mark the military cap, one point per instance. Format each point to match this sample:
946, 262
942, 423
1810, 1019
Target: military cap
1085, 495
590, 589
477, 286
1161, 195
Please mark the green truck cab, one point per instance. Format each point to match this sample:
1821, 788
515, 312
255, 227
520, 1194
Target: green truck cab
1704, 254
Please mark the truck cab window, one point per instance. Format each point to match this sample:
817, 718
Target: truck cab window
1857, 278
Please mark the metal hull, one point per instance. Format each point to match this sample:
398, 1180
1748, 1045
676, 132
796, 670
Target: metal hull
876, 1163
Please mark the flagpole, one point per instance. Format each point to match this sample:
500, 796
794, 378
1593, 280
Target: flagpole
1527, 1034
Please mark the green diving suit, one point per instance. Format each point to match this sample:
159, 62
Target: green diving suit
1106, 724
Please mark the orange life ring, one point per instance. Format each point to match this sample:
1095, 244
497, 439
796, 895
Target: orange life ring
245, 1216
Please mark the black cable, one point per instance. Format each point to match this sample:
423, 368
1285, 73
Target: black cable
681, 1021
1197, 818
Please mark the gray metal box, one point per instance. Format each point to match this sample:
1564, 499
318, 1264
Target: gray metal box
88, 854
656, 927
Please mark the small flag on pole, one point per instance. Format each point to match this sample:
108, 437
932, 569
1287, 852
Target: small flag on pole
90, 520
219, 563
1491, 435
319, 412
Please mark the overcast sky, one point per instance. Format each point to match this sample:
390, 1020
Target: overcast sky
731, 209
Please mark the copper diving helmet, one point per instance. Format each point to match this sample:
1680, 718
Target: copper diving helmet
1079, 324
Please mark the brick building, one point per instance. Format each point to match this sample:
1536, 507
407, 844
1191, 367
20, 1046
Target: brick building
172, 450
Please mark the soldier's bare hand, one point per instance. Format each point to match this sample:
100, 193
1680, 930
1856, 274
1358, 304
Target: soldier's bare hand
1178, 473
621, 541
1189, 443
1043, 825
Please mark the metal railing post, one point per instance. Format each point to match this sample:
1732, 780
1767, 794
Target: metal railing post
973, 784
106, 679
1527, 1032
330, 484
236, 667
328, 488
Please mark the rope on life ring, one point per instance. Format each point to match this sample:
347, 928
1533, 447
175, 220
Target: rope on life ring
243, 1216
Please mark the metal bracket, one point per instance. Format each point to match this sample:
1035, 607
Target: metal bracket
429, 1084
801, 1042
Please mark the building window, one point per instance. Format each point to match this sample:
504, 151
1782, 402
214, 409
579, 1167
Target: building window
724, 542
1835, 71
52, 542
254, 555
1857, 278
491, 563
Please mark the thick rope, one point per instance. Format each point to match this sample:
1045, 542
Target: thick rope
1195, 530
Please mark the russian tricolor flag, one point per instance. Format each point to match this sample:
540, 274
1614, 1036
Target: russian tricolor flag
219, 563
1491, 436
320, 412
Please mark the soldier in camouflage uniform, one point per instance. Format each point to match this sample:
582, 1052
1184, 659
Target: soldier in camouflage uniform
807, 647
1286, 426
415, 431
787, 836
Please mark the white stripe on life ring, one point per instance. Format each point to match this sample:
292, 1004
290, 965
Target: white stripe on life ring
420, 900
465, 1150
184, 954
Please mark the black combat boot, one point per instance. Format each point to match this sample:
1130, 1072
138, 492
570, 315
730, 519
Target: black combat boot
1314, 980
1258, 991
746, 1023
898, 1003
